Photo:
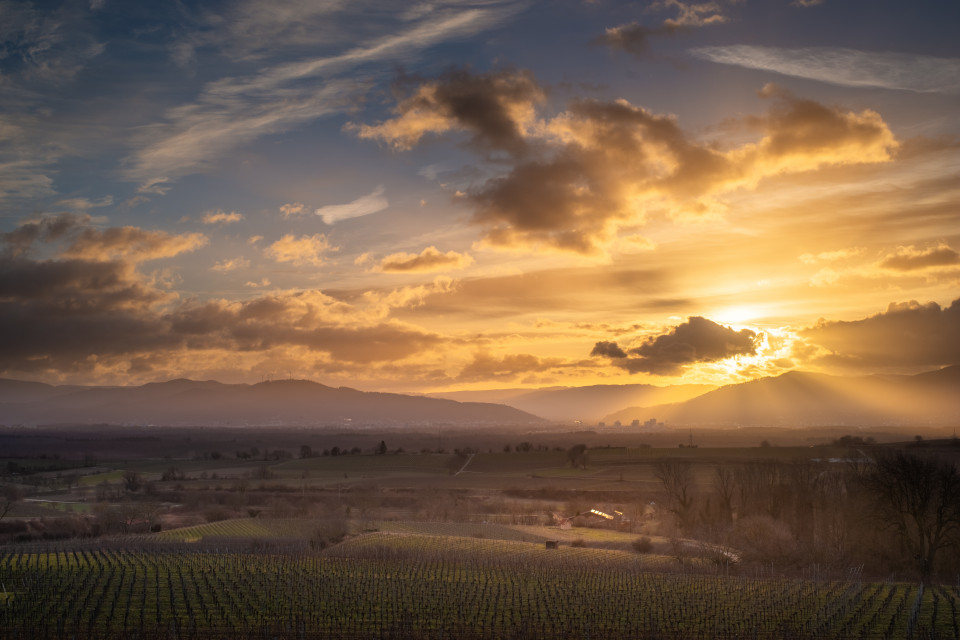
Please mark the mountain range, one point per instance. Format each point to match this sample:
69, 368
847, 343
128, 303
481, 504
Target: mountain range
797, 399
211, 403
794, 399
584, 404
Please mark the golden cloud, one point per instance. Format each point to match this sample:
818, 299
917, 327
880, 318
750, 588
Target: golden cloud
219, 216
231, 264
430, 259
913, 259
131, 244
293, 209
577, 179
305, 250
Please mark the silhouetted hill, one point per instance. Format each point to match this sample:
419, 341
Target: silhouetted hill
587, 404
284, 402
807, 399
23, 391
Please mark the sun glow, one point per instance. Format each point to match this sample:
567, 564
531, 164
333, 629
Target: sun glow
736, 315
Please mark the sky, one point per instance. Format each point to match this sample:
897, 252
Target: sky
454, 195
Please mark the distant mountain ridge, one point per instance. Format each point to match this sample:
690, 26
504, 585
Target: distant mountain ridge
211, 403
587, 404
798, 399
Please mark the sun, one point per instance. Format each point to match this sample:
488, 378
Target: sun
736, 315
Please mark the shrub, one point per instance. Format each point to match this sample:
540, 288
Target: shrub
579, 542
643, 544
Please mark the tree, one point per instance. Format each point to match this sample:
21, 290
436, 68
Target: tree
725, 484
9, 494
919, 498
577, 455
132, 481
677, 479
306, 451
382, 448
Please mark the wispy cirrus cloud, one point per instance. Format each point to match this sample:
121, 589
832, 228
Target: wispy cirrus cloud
845, 67
362, 206
236, 110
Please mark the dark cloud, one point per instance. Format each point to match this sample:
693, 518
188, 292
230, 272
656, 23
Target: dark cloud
91, 310
494, 107
910, 259
697, 340
573, 181
633, 38
77, 238
608, 350
906, 334
45, 229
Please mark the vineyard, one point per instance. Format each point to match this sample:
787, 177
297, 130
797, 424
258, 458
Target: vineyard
404, 584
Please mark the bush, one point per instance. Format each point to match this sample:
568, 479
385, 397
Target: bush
579, 542
643, 544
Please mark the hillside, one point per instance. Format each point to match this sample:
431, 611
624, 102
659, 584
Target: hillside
800, 399
284, 402
587, 404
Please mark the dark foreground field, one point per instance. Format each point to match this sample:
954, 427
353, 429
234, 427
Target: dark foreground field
410, 585
295, 534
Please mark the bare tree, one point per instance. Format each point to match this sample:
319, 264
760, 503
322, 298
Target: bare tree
9, 494
725, 484
677, 479
132, 481
919, 498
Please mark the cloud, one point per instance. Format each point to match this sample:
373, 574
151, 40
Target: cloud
932, 262
845, 67
831, 256
632, 38
231, 264
497, 108
82, 204
488, 367
234, 111
906, 334
293, 209
43, 47
218, 216
430, 259
697, 340
76, 239
692, 14
90, 312
573, 181
132, 244
913, 259
608, 350
362, 206
305, 250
